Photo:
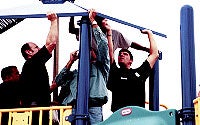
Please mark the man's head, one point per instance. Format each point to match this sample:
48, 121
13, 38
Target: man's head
101, 22
10, 73
125, 58
29, 49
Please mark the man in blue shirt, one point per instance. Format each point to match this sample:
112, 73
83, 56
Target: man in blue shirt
99, 71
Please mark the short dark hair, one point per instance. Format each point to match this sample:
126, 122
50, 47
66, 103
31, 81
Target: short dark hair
23, 49
7, 71
129, 52
99, 20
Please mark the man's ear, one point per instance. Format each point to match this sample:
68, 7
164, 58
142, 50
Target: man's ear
130, 62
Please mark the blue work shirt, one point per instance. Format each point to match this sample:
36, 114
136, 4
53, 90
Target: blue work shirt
99, 72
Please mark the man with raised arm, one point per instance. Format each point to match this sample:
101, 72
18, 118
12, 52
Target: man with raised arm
34, 76
126, 84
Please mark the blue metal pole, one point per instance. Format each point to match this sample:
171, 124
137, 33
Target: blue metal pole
188, 73
154, 86
81, 115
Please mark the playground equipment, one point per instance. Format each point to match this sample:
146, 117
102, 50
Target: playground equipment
65, 9
23, 116
188, 74
197, 110
134, 115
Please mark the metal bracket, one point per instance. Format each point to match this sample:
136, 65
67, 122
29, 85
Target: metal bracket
73, 117
187, 114
160, 55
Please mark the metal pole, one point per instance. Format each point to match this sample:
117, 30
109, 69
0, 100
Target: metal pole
188, 73
81, 115
154, 86
55, 67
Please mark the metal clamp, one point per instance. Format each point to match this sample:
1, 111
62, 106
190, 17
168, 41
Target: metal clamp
73, 117
187, 114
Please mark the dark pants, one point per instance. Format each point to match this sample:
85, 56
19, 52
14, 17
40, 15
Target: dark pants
4, 120
45, 118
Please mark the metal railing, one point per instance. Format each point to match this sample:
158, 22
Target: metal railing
23, 116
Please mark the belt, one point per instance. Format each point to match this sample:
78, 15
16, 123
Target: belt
91, 104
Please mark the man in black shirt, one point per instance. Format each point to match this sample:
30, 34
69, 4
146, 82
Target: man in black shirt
34, 76
126, 84
9, 91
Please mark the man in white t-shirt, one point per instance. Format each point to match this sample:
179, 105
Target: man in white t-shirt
119, 41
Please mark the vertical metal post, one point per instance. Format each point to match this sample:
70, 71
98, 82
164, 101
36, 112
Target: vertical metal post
154, 89
81, 115
154, 86
55, 66
188, 73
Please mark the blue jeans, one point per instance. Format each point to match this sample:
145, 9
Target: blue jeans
95, 115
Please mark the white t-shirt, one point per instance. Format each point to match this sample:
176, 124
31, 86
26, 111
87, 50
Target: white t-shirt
119, 41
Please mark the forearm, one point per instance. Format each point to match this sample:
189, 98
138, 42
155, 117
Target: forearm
153, 47
110, 46
53, 86
69, 64
52, 37
101, 40
153, 50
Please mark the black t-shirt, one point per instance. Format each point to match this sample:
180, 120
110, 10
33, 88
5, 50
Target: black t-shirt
35, 80
9, 95
128, 85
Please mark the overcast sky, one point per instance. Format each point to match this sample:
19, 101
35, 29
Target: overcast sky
157, 15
